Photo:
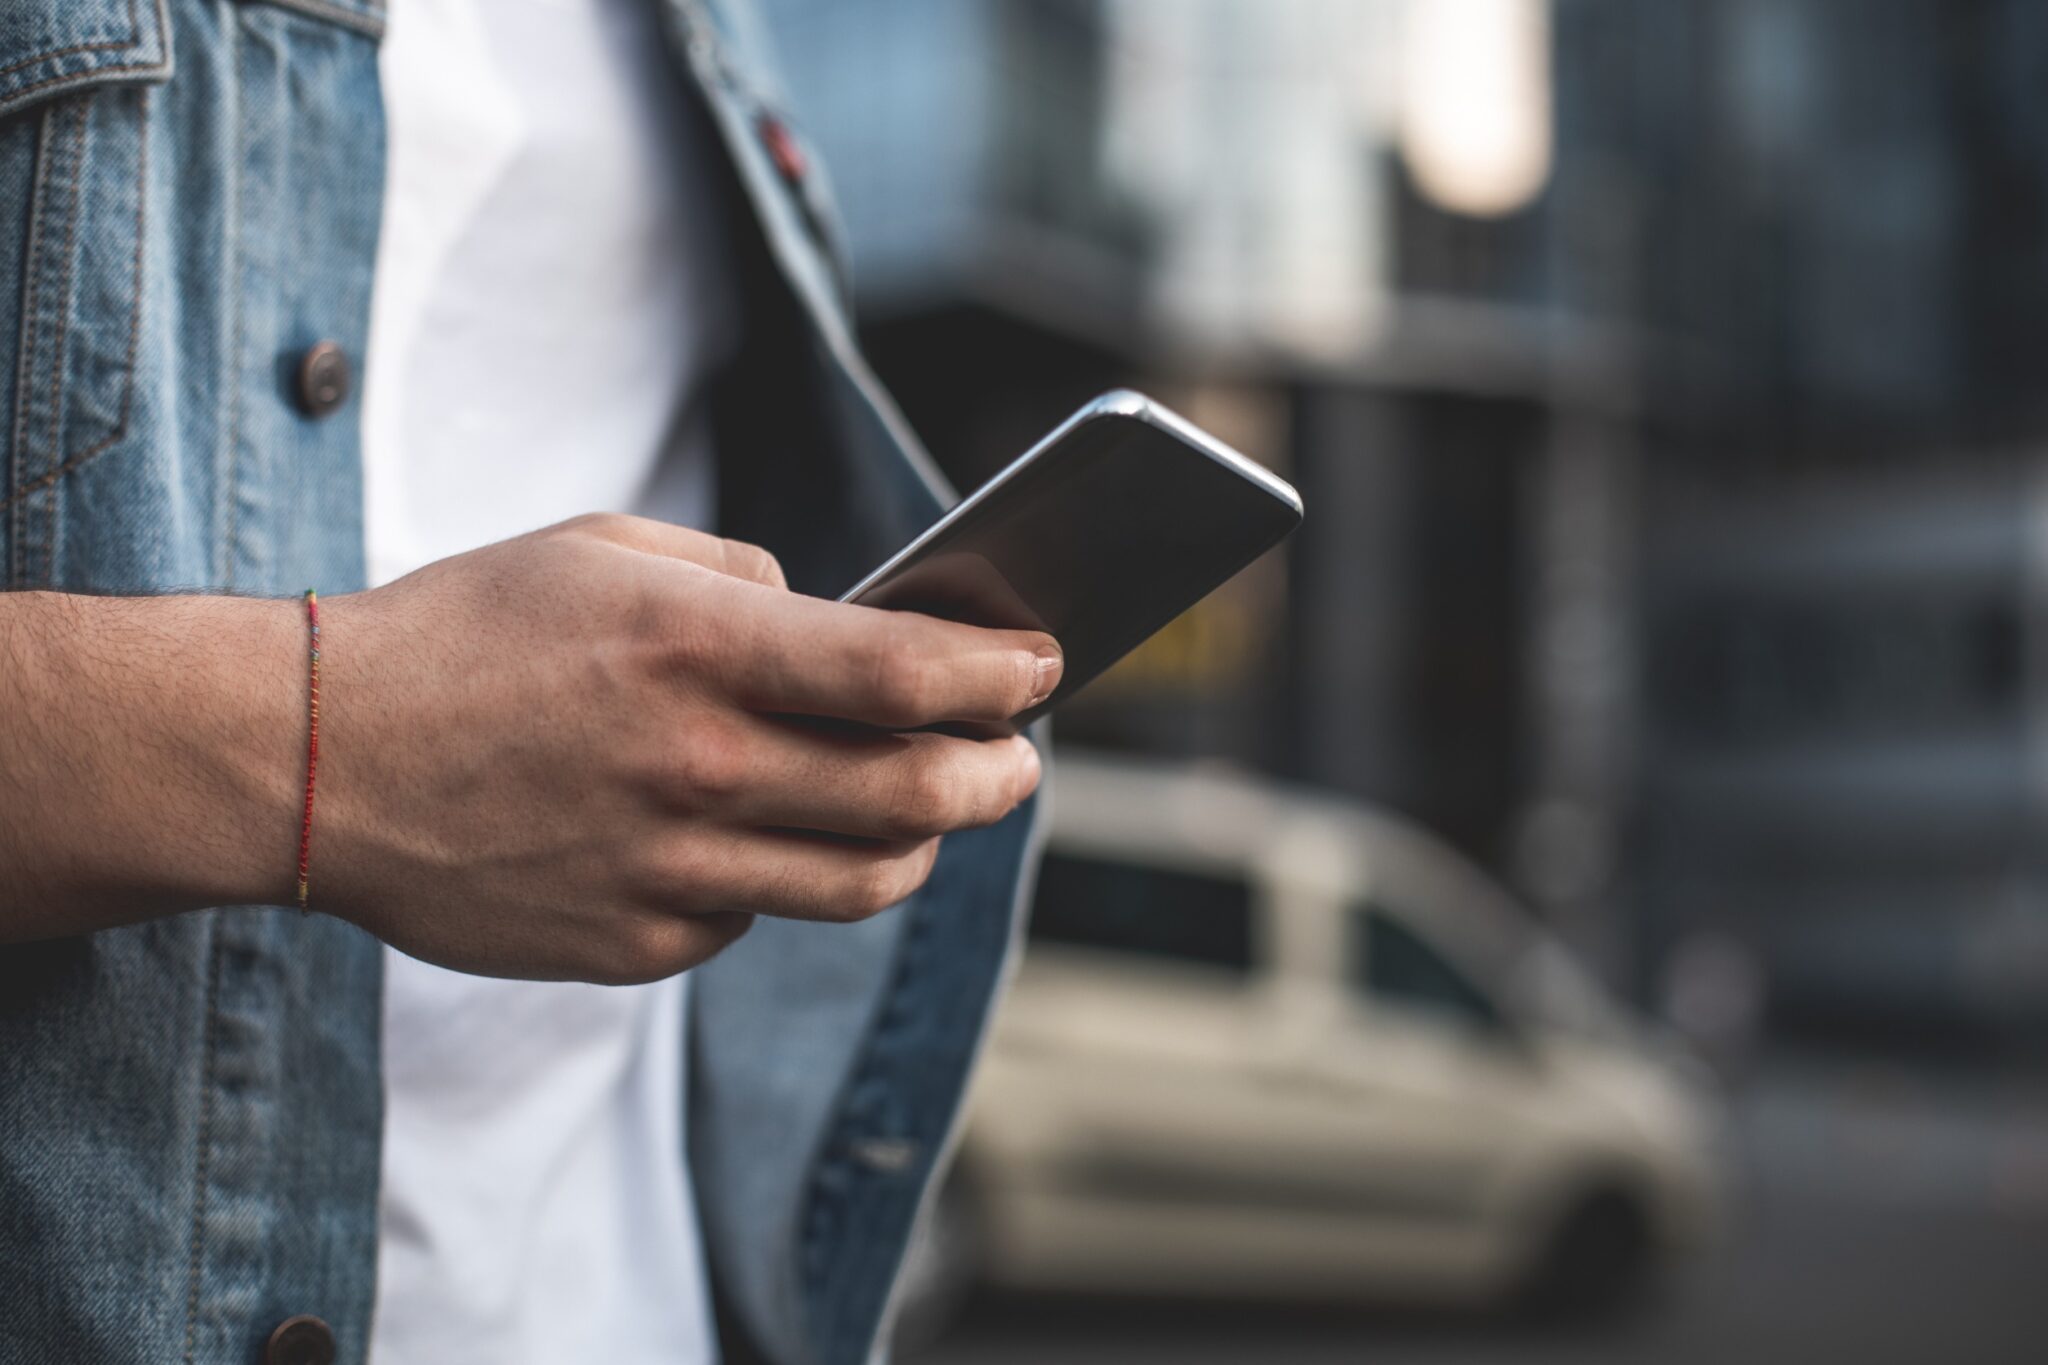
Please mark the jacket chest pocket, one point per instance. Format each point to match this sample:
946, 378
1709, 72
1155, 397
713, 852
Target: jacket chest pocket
74, 167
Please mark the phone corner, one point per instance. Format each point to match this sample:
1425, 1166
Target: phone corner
1123, 403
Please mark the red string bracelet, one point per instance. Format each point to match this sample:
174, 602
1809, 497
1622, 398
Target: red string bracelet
312, 740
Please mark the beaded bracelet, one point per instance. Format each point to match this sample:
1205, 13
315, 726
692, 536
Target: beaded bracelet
312, 740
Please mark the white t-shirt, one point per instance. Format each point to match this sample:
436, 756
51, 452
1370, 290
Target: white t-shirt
550, 291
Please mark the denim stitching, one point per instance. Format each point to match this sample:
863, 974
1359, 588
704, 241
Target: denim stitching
68, 260
65, 52
94, 76
120, 430
134, 39
31, 305
201, 1158
230, 519
59, 371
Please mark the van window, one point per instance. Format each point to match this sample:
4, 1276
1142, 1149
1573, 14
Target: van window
1151, 911
1392, 964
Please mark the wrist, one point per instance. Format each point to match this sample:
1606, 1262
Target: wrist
152, 757
200, 705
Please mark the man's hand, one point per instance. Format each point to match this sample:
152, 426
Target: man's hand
573, 754
595, 752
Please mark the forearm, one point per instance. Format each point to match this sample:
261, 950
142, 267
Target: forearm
150, 751
565, 756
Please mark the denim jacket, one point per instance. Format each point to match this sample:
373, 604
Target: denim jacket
190, 1108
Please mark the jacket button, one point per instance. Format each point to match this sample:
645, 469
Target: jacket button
301, 1340
323, 379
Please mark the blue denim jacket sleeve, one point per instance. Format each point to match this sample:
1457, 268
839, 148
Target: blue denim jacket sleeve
190, 1109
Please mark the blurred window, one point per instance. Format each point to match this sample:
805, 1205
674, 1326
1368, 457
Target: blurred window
1758, 667
1154, 912
1394, 966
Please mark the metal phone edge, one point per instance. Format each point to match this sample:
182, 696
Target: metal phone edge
1133, 404
1115, 403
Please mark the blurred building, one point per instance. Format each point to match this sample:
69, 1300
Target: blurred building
1659, 382
1837, 216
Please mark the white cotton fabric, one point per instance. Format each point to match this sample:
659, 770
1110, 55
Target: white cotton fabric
549, 295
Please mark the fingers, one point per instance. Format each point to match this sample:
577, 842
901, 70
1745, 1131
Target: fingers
734, 558
892, 669
863, 784
807, 656
791, 876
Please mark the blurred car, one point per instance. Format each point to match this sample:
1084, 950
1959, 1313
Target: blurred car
1268, 1043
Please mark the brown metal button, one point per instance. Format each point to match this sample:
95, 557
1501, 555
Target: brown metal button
301, 1340
323, 379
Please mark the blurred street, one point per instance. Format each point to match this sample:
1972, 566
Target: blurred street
1885, 1217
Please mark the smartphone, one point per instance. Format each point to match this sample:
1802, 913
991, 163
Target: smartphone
1119, 521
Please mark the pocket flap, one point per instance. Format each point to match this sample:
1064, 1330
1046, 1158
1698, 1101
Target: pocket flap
50, 46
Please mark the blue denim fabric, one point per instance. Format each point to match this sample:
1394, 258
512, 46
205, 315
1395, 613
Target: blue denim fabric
190, 1109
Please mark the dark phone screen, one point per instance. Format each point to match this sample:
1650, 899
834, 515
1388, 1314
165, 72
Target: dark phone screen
1099, 540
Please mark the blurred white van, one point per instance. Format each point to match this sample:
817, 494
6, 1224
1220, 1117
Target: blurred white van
1267, 1043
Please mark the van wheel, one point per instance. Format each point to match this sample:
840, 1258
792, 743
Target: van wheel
941, 1268
1597, 1261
